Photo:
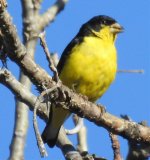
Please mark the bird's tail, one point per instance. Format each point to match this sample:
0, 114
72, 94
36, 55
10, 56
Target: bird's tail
56, 118
50, 135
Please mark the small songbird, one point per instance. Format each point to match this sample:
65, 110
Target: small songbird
88, 65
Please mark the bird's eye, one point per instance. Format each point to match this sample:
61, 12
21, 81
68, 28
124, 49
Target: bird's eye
104, 21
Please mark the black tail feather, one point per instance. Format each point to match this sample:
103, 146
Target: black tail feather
51, 142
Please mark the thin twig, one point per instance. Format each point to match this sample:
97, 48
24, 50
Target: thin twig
40, 143
55, 58
81, 136
50, 60
130, 71
115, 146
37, 133
76, 129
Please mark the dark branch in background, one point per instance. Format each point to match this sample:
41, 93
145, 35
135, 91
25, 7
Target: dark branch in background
76, 103
3, 53
115, 146
137, 151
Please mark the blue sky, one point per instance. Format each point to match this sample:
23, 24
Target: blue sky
129, 94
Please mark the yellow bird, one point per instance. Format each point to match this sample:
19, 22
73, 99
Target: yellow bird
88, 65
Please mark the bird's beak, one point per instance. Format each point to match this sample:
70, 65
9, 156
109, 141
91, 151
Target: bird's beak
116, 28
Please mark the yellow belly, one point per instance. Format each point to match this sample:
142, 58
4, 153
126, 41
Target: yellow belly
90, 68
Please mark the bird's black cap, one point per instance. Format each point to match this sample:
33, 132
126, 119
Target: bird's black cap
101, 20
96, 23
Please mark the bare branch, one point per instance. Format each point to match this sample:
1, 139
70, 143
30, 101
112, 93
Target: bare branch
51, 13
115, 146
66, 147
78, 126
20, 132
131, 71
48, 56
3, 4
28, 19
40, 143
75, 103
82, 135
17, 52
55, 58
22, 93
27, 97
138, 151
37, 4
21, 121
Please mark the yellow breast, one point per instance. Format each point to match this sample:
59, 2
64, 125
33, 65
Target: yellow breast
91, 67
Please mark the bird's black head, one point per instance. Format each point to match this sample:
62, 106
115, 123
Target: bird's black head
98, 22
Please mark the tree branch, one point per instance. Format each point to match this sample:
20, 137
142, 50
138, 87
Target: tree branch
28, 19
21, 114
48, 57
51, 13
66, 147
115, 146
24, 95
81, 136
75, 103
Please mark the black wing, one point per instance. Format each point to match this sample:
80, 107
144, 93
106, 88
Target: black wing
76, 41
